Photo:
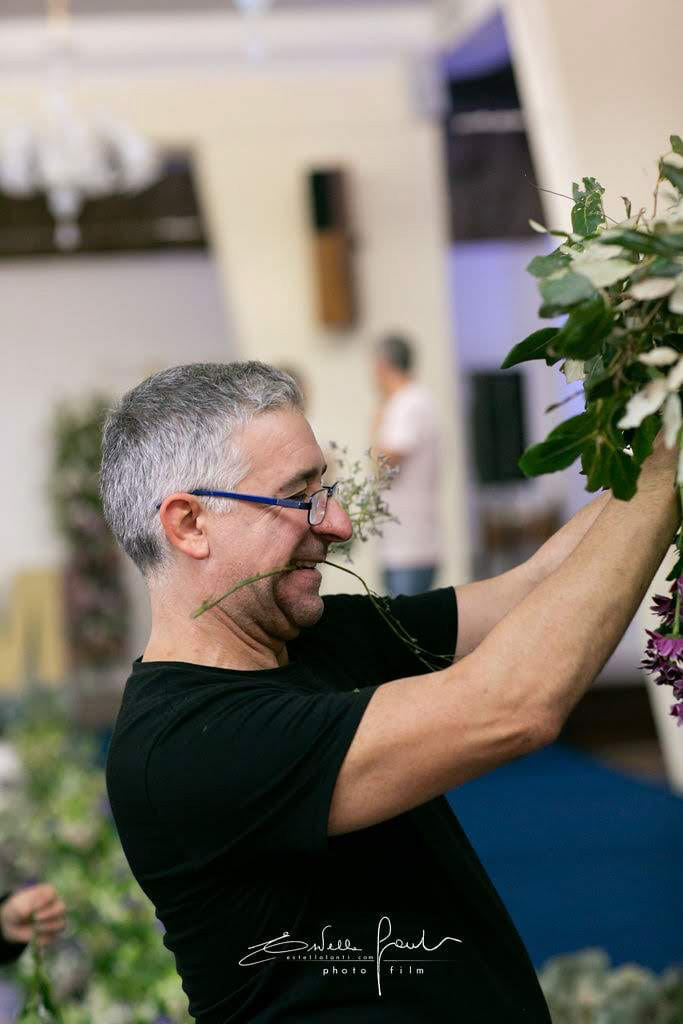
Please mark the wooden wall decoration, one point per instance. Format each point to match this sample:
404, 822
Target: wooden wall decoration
332, 248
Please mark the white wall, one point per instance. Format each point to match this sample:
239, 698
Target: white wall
72, 327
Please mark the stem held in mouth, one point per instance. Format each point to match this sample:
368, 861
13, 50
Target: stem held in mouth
378, 602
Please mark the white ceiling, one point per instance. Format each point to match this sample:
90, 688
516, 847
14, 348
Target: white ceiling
33, 8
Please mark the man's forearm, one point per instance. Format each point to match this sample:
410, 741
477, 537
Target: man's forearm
482, 604
553, 644
558, 547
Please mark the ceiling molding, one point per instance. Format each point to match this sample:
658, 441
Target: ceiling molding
80, 8
148, 44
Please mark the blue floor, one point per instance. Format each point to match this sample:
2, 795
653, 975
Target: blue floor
581, 855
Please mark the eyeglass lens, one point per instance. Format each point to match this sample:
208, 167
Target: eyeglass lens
318, 507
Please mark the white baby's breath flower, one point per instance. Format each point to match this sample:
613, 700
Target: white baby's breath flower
663, 356
672, 419
644, 403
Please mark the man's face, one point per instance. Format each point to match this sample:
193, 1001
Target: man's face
286, 462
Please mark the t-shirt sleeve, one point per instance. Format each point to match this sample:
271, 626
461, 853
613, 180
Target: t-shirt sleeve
251, 773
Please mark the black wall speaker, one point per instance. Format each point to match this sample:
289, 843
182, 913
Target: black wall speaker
332, 247
498, 426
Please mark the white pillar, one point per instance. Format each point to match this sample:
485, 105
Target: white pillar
601, 85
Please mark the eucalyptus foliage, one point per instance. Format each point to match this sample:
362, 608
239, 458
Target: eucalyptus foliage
620, 286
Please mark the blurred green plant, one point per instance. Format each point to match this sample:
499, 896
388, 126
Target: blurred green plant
363, 495
111, 967
582, 988
95, 598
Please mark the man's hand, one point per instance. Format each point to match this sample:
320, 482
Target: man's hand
36, 907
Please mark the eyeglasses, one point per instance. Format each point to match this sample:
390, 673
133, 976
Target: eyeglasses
316, 504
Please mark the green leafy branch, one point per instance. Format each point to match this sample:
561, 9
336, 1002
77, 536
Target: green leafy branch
621, 289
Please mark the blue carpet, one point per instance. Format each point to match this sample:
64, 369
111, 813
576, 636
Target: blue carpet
581, 855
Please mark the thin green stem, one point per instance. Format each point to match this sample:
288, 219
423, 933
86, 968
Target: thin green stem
41, 1002
377, 601
207, 605
394, 625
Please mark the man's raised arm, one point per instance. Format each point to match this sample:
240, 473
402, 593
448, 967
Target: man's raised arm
482, 604
421, 736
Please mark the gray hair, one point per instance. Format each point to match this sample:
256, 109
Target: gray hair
175, 431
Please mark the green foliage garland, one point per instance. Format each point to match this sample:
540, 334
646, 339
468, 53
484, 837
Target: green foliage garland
621, 287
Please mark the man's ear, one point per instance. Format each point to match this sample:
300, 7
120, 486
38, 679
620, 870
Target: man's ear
184, 522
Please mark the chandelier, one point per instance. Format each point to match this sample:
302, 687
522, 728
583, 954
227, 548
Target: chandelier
67, 154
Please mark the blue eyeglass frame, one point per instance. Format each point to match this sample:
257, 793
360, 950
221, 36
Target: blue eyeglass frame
331, 489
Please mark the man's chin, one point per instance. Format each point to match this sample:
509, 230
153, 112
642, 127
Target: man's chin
302, 608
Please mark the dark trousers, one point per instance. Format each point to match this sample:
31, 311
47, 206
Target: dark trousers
411, 580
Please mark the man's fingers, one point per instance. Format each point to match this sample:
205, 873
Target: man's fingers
53, 910
54, 921
35, 898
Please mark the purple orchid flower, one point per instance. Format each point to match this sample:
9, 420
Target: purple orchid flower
677, 712
667, 646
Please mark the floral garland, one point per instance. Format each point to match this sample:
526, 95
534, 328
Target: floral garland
621, 286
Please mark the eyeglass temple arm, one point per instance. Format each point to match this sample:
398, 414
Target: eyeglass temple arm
257, 499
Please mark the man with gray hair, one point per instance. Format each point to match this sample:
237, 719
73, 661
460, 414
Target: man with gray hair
278, 764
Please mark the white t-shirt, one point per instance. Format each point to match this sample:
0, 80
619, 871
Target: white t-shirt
409, 428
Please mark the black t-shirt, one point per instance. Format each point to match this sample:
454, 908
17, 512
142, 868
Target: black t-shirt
221, 781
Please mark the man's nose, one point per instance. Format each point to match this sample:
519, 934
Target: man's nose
336, 523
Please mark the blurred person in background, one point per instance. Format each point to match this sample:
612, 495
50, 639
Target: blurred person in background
36, 908
406, 433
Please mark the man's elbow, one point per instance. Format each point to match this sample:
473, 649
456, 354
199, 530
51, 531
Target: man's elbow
542, 729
